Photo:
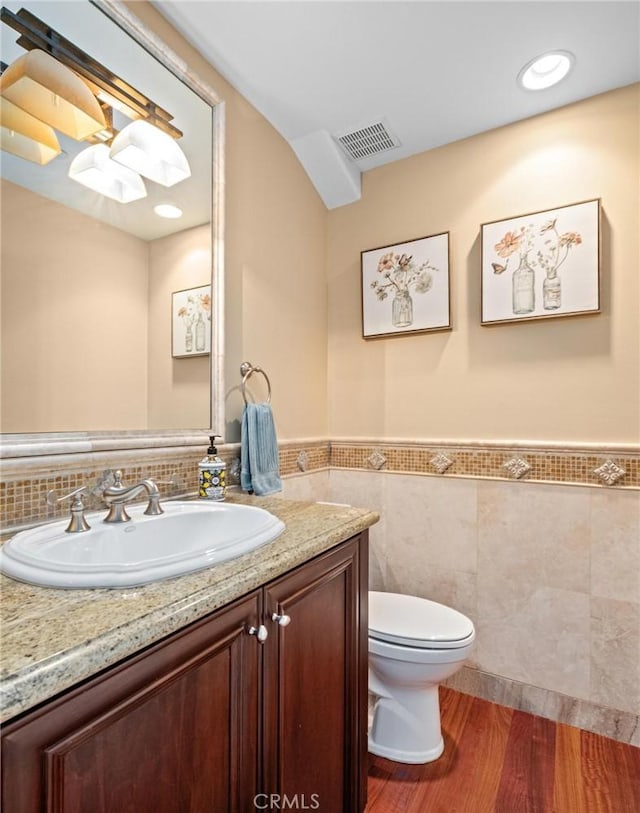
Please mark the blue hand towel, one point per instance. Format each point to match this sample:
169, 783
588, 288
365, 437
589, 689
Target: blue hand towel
259, 460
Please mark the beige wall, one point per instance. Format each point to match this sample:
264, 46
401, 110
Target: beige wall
74, 299
86, 327
275, 243
179, 391
568, 379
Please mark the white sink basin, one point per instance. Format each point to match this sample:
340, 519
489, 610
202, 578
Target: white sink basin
189, 536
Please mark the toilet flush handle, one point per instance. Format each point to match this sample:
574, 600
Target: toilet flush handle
282, 619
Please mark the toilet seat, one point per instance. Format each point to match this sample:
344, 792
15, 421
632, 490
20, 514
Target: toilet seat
417, 622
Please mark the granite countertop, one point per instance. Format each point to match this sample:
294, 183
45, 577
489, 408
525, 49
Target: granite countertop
52, 639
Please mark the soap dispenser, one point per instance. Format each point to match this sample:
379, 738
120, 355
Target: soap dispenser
212, 474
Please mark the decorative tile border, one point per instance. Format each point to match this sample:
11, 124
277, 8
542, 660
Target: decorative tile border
26, 480
542, 463
609, 472
517, 467
441, 462
298, 456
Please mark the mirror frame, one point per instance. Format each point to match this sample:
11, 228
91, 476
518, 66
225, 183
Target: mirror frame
48, 443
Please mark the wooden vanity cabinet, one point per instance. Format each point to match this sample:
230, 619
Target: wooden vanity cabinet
211, 720
172, 729
315, 682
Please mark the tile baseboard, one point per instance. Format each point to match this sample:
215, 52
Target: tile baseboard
618, 725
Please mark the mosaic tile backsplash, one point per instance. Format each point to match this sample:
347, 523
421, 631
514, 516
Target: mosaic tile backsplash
24, 483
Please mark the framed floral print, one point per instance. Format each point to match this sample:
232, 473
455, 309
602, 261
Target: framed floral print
405, 287
191, 322
542, 264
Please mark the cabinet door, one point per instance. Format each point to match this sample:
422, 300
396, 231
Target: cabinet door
315, 682
173, 729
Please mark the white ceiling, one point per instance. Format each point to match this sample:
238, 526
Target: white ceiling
435, 71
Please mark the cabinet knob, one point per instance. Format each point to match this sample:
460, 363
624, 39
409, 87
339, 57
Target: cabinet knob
283, 620
260, 632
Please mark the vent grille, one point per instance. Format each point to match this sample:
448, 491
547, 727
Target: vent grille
367, 141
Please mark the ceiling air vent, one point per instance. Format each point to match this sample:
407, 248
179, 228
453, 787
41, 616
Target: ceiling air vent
368, 140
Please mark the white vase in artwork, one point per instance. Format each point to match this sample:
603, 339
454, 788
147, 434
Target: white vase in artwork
522, 287
402, 309
200, 327
551, 292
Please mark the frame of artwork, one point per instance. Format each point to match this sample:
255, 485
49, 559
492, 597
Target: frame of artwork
405, 287
542, 265
191, 322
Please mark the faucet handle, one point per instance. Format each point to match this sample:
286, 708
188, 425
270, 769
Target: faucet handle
77, 523
53, 499
175, 482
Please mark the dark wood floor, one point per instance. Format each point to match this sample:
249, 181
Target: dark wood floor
498, 760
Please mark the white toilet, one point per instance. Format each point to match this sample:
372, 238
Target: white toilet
414, 644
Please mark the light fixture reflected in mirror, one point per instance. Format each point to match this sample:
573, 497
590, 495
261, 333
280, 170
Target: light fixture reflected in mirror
94, 169
38, 84
167, 210
25, 136
65, 88
144, 149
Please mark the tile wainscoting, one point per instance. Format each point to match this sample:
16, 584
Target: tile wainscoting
548, 572
538, 543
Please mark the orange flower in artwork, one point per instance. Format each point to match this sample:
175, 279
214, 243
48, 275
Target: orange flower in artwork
511, 242
205, 303
556, 248
570, 238
387, 262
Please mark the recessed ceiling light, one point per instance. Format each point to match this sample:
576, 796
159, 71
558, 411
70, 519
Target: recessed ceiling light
546, 70
167, 210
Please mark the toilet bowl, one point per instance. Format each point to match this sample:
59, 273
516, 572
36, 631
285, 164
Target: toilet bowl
414, 644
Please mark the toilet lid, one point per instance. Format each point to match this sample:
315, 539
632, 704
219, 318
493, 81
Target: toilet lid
416, 622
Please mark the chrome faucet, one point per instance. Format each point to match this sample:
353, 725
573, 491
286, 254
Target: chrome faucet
117, 495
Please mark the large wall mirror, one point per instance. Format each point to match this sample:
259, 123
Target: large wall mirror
112, 316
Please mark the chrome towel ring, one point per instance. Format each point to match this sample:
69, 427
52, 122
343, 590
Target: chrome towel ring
246, 369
